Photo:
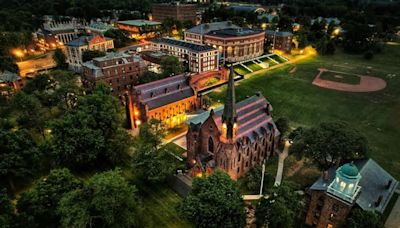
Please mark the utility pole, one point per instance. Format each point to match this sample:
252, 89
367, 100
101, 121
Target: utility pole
262, 178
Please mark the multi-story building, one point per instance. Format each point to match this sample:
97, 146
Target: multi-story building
57, 33
98, 27
197, 33
175, 10
118, 70
362, 184
139, 29
167, 100
279, 40
76, 48
233, 43
232, 138
236, 45
199, 57
10, 82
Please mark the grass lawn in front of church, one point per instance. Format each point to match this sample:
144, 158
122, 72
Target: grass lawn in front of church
375, 114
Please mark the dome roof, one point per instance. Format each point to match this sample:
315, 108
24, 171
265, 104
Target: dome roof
349, 169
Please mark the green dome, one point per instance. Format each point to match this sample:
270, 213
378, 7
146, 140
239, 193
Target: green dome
349, 169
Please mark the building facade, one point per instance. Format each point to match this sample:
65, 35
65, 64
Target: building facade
167, 100
279, 40
196, 34
362, 184
175, 10
118, 70
139, 29
233, 138
236, 45
199, 58
76, 48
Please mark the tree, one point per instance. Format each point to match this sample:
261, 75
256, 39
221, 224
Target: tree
359, 218
171, 66
152, 161
121, 38
252, 179
91, 54
19, 157
107, 200
329, 143
214, 201
149, 76
88, 134
59, 58
6, 209
280, 209
41, 201
283, 126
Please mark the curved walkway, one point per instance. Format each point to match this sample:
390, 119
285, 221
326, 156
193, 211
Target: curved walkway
282, 157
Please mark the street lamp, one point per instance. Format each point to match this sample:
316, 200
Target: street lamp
19, 54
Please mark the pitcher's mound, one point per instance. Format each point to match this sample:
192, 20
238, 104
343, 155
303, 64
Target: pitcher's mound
366, 84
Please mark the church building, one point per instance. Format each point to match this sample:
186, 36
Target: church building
232, 138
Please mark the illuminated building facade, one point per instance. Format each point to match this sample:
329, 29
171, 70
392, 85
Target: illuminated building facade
362, 184
175, 10
233, 138
10, 82
199, 57
118, 70
76, 48
167, 100
279, 40
140, 29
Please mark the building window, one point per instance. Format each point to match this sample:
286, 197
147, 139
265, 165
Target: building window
210, 145
239, 157
342, 186
335, 207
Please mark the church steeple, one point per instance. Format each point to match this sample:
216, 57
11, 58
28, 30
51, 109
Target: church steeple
229, 117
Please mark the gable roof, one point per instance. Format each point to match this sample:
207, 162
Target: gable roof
252, 118
208, 27
85, 40
165, 91
7, 76
184, 44
373, 184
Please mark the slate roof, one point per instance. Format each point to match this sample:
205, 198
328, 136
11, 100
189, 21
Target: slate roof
373, 181
208, 27
234, 32
83, 40
165, 91
184, 44
272, 32
139, 22
244, 8
7, 76
252, 117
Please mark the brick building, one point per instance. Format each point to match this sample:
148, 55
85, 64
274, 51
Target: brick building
233, 138
10, 82
198, 57
363, 184
279, 40
233, 43
139, 29
76, 47
175, 10
118, 70
167, 100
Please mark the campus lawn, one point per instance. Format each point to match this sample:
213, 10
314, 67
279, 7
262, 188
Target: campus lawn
343, 78
376, 115
278, 58
269, 61
253, 66
240, 70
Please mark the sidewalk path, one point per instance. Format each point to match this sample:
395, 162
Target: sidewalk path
282, 157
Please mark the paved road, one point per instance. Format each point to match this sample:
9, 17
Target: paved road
34, 65
282, 157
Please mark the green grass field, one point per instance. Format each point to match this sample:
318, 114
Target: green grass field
240, 70
343, 78
278, 58
253, 66
269, 61
376, 115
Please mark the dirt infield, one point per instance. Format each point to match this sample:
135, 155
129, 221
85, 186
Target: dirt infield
367, 83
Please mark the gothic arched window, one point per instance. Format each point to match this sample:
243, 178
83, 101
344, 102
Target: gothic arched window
210, 145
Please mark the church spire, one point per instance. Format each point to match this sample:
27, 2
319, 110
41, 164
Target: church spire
229, 114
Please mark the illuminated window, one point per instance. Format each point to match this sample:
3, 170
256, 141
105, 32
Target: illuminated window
342, 186
351, 186
337, 179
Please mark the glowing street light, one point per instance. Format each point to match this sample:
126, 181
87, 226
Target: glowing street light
19, 54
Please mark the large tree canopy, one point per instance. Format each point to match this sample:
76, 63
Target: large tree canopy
359, 218
214, 201
107, 200
329, 143
41, 201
